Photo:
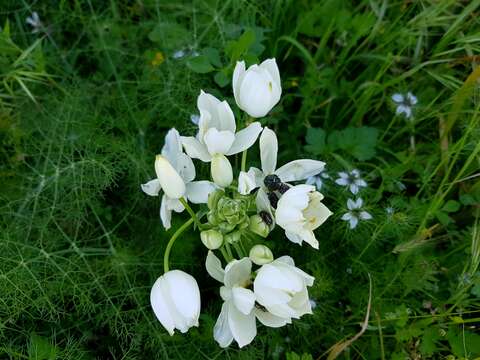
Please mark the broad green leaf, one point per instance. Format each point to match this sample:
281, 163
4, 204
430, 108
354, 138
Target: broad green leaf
200, 64
315, 141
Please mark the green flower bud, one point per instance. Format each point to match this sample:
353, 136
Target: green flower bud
232, 237
260, 255
212, 239
213, 198
232, 211
225, 227
258, 226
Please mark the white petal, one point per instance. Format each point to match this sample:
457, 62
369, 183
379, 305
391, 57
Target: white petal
347, 216
160, 306
195, 149
271, 320
245, 138
246, 182
294, 237
263, 204
218, 142
412, 98
221, 170
221, 331
185, 168
351, 204
237, 74
170, 180
165, 213
214, 267
238, 272
271, 66
360, 182
152, 187
398, 98
256, 92
354, 188
268, 151
358, 203
309, 237
226, 118
244, 299
173, 145
364, 215
207, 105
342, 181
243, 327
402, 109
299, 170
197, 191
186, 296
353, 222
311, 180
195, 118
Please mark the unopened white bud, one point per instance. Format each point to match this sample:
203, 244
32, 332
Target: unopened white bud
171, 182
258, 226
212, 239
222, 173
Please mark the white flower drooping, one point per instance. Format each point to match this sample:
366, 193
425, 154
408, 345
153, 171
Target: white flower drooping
352, 180
217, 137
355, 213
405, 103
281, 288
299, 212
175, 299
237, 317
175, 174
258, 89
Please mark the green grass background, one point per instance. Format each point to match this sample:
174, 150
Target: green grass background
84, 107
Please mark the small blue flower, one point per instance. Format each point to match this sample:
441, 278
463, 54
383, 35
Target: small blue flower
355, 213
405, 103
318, 179
351, 180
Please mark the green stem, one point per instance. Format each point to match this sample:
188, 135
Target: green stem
238, 250
191, 212
229, 250
225, 255
174, 237
244, 160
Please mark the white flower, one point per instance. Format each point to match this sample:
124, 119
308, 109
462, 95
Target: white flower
258, 89
352, 180
180, 168
34, 21
281, 288
405, 103
217, 137
389, 210
237, 317
318, 179
175, 299
260, 254
355, 213
293, 171
299, 212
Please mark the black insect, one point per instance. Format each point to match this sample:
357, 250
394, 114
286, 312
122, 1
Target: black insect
273, 198
267, 219
272, 182
282, 189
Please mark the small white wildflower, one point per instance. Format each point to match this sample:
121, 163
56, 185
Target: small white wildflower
355, 213
405, 103
352, 180
34, 21
195, 118
389, 210
313, 304
318, 179
178, 54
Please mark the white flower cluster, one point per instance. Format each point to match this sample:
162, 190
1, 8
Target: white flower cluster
242, 211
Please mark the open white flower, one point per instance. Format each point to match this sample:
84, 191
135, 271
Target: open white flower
258, 89
299, 212
217, 137
293, 171
405, 103
352, 180
176, 170
175, 299
355, 213
281, 288
237, 317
